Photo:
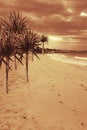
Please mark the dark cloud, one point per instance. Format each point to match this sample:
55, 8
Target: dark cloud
41, 8
56, 17
2, 5
5, 8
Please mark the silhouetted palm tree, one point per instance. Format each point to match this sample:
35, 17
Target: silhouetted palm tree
17, 39
35, 42
6, 51
44, 39
15, 23
27, 44
8, 48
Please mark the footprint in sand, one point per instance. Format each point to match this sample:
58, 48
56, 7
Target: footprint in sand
16, 112
61, 102
83, 124
35, 123
59, 94
75, 111
24, 117
5, 126
53, 85
51, 82
85, 89
82, 85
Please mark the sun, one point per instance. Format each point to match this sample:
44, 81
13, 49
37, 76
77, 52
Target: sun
55, 38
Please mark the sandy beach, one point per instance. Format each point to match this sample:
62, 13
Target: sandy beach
54, 99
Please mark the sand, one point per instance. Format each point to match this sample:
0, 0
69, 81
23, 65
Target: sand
54, 99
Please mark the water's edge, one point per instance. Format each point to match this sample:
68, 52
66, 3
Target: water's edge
76, 60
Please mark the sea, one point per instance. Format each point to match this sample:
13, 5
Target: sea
75, 58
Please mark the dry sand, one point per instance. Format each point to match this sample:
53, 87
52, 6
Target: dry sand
54, 99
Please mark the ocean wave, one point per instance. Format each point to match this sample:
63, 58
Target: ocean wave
81, 58
71, 60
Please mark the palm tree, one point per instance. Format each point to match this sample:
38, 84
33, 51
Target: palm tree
43, 40
27, 44
16, 24
16, 39
6, 51
24, 47
8, 48
35, 42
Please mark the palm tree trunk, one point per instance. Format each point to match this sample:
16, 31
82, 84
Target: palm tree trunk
43, 48
7, 71
15, 63
32, 56
27, 66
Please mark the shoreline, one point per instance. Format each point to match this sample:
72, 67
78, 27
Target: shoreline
73, 60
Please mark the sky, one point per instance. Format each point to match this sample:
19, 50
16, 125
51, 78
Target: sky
63, 21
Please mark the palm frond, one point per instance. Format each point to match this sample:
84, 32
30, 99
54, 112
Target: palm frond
11, 59
19, 59
6, 64
36, 55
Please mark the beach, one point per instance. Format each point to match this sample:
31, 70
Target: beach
54, 99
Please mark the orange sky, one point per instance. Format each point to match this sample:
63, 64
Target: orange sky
65, 21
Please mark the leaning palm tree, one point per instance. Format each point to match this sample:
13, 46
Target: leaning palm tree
15, 23
44, 39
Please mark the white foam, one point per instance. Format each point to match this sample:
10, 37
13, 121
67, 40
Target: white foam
70, 60
81, 58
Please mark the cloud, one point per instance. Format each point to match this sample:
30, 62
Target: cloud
5, 7
41, 8
53, 17
58, 17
